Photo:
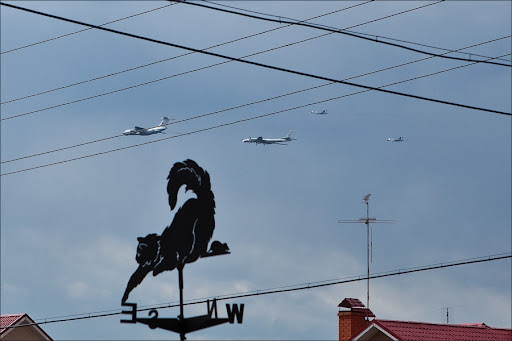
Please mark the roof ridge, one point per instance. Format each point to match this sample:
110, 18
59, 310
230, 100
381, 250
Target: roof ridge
476, 325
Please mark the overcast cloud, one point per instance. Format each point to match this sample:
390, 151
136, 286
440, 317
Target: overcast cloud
69, 231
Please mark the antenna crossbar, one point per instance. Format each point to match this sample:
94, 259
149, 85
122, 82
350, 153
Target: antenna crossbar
369, 243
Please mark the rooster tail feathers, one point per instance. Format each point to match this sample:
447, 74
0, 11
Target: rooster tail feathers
194, 177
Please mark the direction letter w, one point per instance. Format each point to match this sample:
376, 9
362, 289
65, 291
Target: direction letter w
234, 311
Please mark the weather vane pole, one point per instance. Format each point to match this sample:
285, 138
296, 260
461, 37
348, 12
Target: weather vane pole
369, 243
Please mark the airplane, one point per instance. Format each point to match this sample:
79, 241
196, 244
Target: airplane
261, 140
149, 131
323, 112
400, 139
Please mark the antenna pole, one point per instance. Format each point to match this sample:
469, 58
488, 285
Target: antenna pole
366, 221
366, 198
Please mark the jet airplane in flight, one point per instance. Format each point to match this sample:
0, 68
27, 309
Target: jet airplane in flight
400, 139
323, 112
261, 140
148, 131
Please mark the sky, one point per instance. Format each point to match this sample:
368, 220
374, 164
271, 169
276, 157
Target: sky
70, 219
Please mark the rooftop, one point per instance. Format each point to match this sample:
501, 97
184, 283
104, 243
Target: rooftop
9, 320
422, 331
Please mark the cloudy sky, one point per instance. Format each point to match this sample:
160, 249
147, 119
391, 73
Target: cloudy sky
70, 219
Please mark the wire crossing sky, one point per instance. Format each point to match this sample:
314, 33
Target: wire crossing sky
375, 38
86, 29
290, 288
168, 59
267, 99
296, 22
256, 64
201, 130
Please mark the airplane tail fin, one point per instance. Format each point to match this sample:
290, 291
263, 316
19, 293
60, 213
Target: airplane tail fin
164, 121
289, 135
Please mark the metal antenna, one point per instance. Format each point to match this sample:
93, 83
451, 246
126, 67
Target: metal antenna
447, 309
369, 243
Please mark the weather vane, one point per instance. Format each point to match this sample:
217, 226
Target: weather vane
184, 241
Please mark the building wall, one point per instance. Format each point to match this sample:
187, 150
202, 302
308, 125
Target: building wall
23, 333
351, 323
378, 336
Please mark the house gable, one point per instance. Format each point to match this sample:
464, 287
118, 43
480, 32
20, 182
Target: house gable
374, 332
29, 333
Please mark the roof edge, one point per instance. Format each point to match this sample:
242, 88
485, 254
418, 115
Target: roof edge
374, 325
27, 320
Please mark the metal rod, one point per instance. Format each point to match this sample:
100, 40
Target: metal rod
181, 316
367, 258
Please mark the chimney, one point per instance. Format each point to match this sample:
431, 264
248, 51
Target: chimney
352, 321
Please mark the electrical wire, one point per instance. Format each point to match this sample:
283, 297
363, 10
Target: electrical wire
257, 64
86, 29
175, 57
374, 37
278, 290
168, 59
255, 102
225, 124
340, 31
211, 66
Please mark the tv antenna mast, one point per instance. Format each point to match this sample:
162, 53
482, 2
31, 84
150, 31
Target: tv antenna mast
369, 243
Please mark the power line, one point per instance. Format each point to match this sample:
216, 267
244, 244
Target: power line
62, 149
225, 124
325, 28
374, 37
229, 42
289, 288
255, 102
76, 32
258, 64
179, 56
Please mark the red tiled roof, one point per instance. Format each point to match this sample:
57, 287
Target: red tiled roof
420, 331
351, 303
9, 320
366, 311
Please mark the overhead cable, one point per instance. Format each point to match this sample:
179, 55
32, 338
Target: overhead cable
87, 29
175, 57
226, 124
297, 23
252, 103
374, 37
214, 65
257, 64
278, 290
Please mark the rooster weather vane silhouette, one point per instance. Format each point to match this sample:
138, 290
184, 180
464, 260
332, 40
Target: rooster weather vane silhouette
184, 241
